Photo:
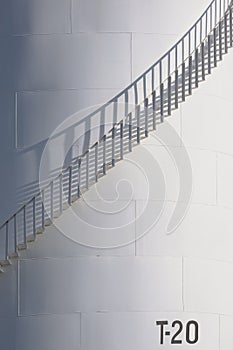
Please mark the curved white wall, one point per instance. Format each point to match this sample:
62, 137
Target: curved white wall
60, 56
64, 295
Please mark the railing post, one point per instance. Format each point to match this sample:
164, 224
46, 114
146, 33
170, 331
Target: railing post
230, 24
209, 54
42, 211
176, 89
130, 132
113, 145
225, 32
154, 109
161, 102
7, 242
190, 74
70, 186
196, 68
104, 155
135, 94
24, 226
169, 95
34, 217
79, 178
144, 86
183, 81
61, 193
87, 169
146, 116
138, 123
96, 161
203, 61
220, 40
15, 236
122, 139
51, 201
215, 48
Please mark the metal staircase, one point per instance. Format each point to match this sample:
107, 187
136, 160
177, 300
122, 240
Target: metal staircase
146, 102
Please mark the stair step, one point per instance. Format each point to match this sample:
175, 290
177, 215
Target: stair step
39, 231
31, 238
22, 246
14, 255
48, 222
5, 262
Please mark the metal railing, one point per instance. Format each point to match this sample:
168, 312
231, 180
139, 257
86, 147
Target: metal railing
155, 94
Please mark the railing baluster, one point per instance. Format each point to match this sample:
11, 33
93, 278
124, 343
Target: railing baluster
42, 210
34, 217
152, 79
225, 31
135, 94
203, 61
144, 86
104, 155
195, 36
15, 236
176, 89
190, 74
130, 132
183, 81
7, 242
196, 68
70, 186
161, 102
209, 54
51, 201
113, 146
189, 43
201, 30
216, 13
87, 169
220, 41
138, 123
215, 48
96, 161
154, 109
211, 17
24, 226
126, 103
160, 72
61, 193
169, 64
220, 9
79, 177
115, 112
169, 95
122, 139
230, 24
146, 116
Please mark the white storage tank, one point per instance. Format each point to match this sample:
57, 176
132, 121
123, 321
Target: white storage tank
108, 274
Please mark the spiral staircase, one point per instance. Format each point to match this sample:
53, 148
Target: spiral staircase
136, 111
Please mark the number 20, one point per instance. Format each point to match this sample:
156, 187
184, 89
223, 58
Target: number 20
188, 331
